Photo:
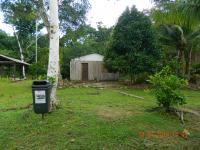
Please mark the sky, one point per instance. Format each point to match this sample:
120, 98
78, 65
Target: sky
108, 11
5, 27
105, 11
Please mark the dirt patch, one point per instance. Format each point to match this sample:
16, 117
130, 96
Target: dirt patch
136, 85
113, 112
16, 108
93, 84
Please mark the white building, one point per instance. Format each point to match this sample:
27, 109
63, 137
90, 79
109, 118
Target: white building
90, 67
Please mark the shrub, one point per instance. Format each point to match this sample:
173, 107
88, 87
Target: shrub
36, 70
195, 74
166, 88
195, 69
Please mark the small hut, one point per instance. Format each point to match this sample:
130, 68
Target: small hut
10, 66
90, 67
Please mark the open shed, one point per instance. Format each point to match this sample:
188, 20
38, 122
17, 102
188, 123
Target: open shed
10, 66
90, 67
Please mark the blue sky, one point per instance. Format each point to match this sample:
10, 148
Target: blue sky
105, 11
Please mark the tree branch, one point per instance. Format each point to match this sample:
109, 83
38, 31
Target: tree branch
32, 43
43, 13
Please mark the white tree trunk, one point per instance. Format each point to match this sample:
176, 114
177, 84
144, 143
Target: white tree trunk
53, 66
21, 53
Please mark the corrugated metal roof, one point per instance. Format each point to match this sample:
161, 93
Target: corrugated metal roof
90, 57
13, 59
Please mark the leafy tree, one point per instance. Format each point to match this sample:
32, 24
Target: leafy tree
177, 30
37, 70
71, 13
21, 14
8, 45
166, 88
191, 8
134, 48
102, 37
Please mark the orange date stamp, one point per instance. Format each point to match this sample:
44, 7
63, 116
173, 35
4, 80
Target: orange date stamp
162, 134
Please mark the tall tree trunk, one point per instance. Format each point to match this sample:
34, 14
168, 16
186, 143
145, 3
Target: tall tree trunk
178, 60
188, 59
181, 62
132, 78
21, 54
53, 66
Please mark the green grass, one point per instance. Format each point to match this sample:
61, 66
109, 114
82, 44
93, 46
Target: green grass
92, 119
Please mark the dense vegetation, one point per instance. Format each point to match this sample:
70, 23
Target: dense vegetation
133, 48
138, 45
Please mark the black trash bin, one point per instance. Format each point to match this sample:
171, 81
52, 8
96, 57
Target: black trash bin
41, 91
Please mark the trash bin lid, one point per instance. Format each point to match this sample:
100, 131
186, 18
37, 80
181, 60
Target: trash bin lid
41, 83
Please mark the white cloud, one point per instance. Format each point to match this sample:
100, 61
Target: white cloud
5, 27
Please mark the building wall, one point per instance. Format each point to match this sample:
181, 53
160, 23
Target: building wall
96, 71
75, 70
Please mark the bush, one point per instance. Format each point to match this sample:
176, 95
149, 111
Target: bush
166, 88
37, 71
195, 74
195, 69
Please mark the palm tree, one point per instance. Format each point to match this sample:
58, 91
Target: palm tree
192, 8
173, 37
178, 30
193, 43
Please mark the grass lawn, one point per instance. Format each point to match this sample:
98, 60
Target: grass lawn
91, 118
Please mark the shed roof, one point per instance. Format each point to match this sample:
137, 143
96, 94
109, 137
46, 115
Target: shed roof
6, 58
91, 57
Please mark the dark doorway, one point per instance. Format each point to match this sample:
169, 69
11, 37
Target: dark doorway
85, 71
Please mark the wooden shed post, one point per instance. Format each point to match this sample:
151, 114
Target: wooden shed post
14, 70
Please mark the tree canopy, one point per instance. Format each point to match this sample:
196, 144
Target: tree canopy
178, 30
22, 15
134, 48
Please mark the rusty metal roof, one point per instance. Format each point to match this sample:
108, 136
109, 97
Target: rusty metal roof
13, 59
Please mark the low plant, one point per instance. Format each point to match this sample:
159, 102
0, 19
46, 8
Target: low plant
37, 70
52, 80
167, 88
